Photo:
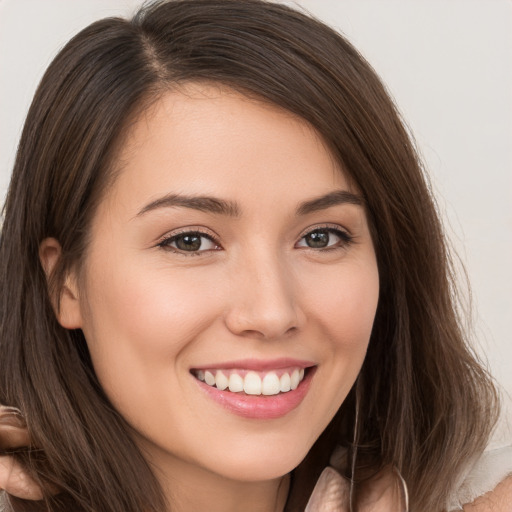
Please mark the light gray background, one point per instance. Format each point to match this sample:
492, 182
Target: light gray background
448, 64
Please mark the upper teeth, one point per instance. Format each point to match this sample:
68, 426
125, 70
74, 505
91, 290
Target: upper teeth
252, 383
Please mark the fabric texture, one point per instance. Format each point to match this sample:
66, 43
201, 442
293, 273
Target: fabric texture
389, 492
492, 467
386, 493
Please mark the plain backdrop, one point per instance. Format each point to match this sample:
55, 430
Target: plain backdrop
447, 63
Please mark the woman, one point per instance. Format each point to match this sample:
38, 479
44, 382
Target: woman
222, 271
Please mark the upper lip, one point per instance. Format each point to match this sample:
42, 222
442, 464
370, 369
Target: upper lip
257, 364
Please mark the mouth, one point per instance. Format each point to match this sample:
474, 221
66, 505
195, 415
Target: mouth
255, 390
251, 382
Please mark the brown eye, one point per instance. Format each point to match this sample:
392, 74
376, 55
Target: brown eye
324, 238
189, 242
317, 239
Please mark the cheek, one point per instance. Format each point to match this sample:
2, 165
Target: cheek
344, 301
344, 305
139, 322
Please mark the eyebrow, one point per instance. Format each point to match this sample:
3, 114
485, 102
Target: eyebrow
201, 203
332, 199
231, 209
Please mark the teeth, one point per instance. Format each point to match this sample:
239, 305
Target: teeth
221, 381
294, 379
209, 378
236, 383
252, 383
285, 383
270, 384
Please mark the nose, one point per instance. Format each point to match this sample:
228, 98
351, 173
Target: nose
263, 302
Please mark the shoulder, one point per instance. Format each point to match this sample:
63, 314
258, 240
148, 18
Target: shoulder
485, 482
497, 500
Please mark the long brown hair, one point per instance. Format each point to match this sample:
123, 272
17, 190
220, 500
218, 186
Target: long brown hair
424, 404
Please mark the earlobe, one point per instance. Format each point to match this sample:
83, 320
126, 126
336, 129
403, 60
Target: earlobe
65, 300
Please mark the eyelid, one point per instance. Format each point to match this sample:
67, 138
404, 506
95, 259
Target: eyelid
188, 229
165, 240
170, 236
327, 226
346, 236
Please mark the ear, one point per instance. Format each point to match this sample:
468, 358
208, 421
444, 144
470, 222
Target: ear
66, 303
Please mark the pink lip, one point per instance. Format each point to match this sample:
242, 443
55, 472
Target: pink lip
259, 406
258, 365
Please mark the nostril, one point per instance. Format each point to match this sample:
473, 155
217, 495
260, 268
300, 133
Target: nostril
262, 326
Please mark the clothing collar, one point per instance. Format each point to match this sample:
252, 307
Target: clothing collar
385, 492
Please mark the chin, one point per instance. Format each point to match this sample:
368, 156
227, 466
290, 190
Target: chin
260, 463
259, 471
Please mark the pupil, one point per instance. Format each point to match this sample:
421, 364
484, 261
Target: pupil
189, 242
318, 239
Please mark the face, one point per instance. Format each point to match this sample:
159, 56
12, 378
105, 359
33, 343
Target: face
230, 285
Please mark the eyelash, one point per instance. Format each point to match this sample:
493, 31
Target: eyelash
345, 240
166, 242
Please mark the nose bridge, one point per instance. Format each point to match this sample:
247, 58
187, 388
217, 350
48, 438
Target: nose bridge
263, 295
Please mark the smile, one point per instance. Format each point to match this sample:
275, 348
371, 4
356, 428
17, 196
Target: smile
255, 389
252, 382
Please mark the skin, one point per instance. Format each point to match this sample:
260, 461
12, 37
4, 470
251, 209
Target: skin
151, 312
13, 435
498, 500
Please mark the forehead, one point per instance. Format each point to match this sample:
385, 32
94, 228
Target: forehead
212, 140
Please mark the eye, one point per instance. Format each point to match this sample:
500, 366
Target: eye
189, 241
325, 238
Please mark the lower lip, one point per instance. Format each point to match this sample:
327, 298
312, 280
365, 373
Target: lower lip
260, 406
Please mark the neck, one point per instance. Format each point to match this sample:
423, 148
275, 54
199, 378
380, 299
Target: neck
227, 496
189, 487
